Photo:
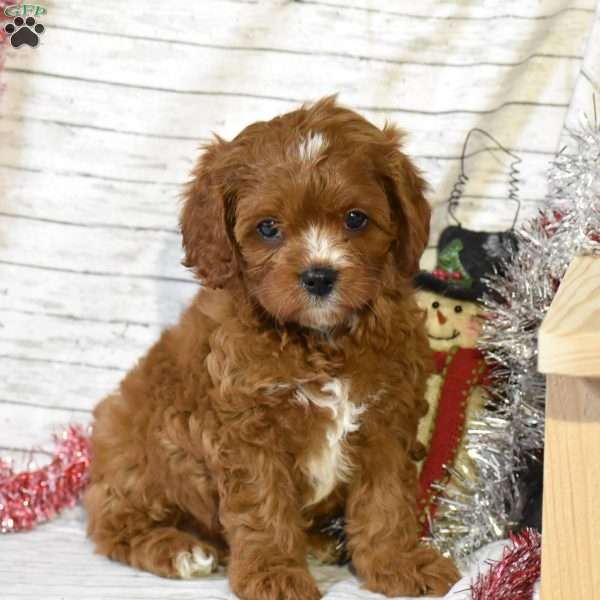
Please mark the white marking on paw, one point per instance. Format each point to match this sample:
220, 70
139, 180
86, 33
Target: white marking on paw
331, 465
311, 146
195, 563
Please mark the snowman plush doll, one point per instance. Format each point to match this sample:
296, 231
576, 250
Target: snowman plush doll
450, 296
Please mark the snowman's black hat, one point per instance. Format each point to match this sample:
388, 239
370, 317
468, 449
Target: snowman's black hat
464, 257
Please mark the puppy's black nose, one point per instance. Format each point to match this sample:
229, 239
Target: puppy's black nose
318, 281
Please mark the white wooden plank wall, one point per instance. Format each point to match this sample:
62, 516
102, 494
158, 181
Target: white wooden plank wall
100, 124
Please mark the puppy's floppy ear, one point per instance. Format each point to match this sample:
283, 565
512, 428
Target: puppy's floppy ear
207, 220
405, 190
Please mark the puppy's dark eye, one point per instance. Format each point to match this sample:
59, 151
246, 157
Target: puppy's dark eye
269, 230
458, 309
436, 304
356, 220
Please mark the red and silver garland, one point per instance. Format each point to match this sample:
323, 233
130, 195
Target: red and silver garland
515, 575
509, 433
32, 497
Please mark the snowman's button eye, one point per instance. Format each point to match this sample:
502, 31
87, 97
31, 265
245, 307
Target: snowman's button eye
458, 309
436, 304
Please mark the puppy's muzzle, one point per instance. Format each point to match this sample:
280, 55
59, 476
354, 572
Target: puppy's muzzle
318, 281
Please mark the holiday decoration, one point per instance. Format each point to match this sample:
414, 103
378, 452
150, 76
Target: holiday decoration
515, 575
507, 435
31, 497
455, 392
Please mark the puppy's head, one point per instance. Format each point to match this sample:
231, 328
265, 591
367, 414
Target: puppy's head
311, 211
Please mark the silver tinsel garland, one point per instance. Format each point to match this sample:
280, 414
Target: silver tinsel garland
509, 432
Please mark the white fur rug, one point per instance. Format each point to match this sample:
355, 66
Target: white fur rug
56, 561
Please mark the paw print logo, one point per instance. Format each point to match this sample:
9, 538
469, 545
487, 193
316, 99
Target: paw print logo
24, 32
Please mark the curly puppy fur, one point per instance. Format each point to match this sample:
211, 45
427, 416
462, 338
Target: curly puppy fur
269, 408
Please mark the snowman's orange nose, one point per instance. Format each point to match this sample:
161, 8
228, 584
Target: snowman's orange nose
441, 318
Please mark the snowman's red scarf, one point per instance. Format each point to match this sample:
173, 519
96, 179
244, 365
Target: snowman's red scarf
461, 369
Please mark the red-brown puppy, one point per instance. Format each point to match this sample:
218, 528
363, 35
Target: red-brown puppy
292, 386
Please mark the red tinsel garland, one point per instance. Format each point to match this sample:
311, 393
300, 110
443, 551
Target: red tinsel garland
515, 575
32, 497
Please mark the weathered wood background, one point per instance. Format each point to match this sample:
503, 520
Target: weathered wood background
100, 125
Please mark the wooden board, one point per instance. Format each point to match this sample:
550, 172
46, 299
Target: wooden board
569, 339
571, 538
569, 352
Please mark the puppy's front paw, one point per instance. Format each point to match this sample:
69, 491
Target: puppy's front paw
439, 574
279, 583
200, 561
424, 572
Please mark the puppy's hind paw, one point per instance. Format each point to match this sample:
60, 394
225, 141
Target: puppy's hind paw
199, 562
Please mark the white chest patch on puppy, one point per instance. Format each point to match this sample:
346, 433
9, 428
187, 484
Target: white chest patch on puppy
326, 468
